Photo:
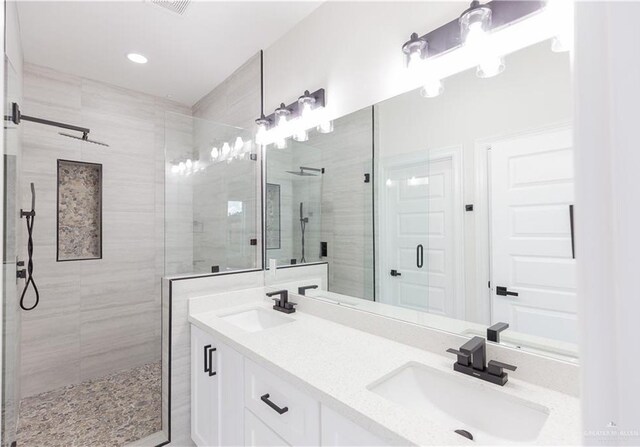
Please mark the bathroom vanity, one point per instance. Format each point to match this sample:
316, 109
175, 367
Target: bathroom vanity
262, 377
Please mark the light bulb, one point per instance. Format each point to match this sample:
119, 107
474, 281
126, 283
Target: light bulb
189, 163
415, 58
182, 167
561, 13
325, 127
175, 169
490, 66
196, 166
262, 124
476, 34
215, 153
281, 143
237, 145
226, 149
432, 88
301, 135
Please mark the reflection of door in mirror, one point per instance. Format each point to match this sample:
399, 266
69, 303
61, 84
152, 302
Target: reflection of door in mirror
421, 263
531, 190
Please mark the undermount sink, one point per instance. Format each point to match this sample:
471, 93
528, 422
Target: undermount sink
459, 403
254, 320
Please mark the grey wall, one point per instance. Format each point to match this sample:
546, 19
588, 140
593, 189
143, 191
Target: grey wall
95, 316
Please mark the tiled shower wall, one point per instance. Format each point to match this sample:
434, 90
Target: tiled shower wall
95, 316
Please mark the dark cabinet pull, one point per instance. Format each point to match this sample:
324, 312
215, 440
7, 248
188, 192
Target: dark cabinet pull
419, 256
276, 408
208, 360
503, 291
573, 245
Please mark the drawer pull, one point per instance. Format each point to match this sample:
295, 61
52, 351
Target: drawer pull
266, 400
208, 360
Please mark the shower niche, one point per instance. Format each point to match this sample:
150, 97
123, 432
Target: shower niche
79, 222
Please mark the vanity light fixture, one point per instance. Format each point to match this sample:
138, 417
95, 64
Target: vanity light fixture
473, 29
416, 51
475, 26
294, 120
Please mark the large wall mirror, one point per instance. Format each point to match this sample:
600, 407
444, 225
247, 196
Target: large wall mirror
454, 212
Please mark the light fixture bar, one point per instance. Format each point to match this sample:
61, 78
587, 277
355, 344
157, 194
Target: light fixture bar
503, 13
295, 110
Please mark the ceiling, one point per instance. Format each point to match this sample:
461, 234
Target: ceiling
188, 54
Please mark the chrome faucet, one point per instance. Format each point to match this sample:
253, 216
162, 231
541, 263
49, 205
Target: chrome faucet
472, 361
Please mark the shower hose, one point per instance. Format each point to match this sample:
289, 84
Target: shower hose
30, 216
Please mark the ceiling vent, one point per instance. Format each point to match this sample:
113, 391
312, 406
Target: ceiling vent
175, 6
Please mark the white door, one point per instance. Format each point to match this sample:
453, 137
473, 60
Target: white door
418, 235
531, 193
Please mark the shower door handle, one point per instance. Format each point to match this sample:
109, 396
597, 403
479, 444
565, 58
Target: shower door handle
419, 256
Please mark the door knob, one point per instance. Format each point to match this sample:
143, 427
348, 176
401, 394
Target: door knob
503, 291
395, 273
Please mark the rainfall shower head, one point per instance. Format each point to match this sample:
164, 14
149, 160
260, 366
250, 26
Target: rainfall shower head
303, 172
84, 137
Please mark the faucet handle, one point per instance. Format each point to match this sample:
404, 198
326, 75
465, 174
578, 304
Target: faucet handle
497, 368
493, 332
463, 359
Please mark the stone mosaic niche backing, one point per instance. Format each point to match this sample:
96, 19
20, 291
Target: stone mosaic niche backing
79, 210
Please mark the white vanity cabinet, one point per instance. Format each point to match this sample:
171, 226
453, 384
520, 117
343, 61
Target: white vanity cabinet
234, 402
340, 431
216, 392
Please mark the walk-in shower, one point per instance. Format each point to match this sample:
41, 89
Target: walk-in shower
305, 171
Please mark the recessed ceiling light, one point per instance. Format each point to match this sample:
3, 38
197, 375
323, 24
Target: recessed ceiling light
137, 58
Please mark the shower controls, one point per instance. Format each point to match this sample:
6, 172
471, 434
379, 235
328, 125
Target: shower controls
395, 273
324, 251
282, 304
208, 360
21, 273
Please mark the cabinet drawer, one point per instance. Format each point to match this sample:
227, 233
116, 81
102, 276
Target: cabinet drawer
287, 411
257, 434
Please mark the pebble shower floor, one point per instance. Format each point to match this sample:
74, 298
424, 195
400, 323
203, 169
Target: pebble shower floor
109, 411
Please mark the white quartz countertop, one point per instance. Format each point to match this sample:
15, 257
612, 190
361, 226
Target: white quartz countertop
335, 364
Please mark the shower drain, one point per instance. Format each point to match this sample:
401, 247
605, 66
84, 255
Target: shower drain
465, 433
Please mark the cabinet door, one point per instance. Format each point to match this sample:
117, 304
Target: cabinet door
204, 389
257, 434
340, 431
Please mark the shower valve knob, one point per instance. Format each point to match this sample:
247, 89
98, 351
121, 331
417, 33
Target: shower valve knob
21, 273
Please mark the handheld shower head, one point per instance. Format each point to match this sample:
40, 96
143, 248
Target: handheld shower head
84, 137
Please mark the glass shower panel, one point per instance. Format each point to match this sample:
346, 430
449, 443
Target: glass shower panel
212, 197
11, 317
